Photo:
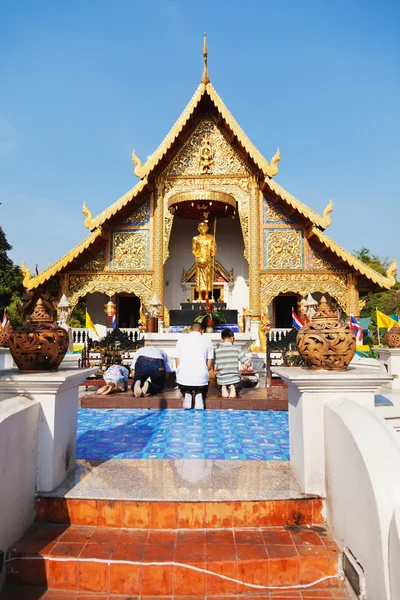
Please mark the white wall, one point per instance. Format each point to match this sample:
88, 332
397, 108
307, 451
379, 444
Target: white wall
19, 418
95, 307
362, 457
394, 555
230, 254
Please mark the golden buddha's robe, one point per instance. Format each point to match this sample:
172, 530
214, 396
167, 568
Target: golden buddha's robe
204, 249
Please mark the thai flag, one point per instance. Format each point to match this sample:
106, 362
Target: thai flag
296, 322
355, 325
114, 321
4, 321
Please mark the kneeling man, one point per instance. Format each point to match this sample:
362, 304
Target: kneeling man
153, 363
194, 358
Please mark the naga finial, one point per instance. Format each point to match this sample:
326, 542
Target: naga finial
137, 163
327, 214
205, 79
25, 272
274, 163
392, 271
88, 214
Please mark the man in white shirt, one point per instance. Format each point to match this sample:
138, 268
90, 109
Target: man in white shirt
194, 359
149, 362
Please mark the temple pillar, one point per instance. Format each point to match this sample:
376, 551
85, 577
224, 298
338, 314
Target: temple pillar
158, 245
353, 297
254, 252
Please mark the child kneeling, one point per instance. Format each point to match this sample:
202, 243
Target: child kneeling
226, 364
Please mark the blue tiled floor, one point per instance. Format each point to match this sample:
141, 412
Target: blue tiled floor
212, 434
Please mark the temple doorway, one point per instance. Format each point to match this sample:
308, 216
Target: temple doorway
283, 306
230, 254
128, 310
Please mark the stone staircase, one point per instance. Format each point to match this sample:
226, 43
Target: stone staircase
92, 549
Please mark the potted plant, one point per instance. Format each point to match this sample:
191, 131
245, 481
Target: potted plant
209, 316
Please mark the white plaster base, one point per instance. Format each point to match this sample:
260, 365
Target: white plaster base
390, 362
168, 341
6, 360
308, 392
57, 393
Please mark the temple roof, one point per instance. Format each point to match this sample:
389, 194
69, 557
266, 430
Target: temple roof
146, 172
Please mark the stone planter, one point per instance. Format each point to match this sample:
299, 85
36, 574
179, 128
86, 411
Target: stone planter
40, 344
325, 343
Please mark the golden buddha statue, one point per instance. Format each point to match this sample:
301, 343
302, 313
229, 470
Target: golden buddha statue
204, 249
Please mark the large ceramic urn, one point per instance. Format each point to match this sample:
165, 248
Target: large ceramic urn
392, 337
40, 344
326, 343
5, 335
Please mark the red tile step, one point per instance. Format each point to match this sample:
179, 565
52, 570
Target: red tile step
179, 515
173, 563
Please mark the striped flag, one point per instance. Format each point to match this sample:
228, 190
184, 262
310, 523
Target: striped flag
4, 321
114, 321
297, 323
356, 327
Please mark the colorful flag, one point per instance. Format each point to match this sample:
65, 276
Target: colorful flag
296, 322
356, 327
306, 320
114, 321
383, 320
90, 324
4, 321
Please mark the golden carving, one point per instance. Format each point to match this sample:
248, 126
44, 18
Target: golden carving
95, 264
273, 215
236, 187
392, 271
263, 329
137, 163
327, 214
353, 304
26, 273
326, 343
158, 235
274, 163
88, 214
139, 217
273, 284
318, 262
139, 284
283, 249
205, 79
254, 250
130, 250
220, 273
206, 155
225, 160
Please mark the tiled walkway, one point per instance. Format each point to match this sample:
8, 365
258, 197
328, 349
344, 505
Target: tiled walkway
105, 434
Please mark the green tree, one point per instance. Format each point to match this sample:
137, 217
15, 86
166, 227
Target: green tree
78, 317
378, 263
11, 288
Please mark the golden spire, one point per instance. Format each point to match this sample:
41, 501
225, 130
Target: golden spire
205, 78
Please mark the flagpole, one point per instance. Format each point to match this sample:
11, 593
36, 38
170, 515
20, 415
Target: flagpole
379, 337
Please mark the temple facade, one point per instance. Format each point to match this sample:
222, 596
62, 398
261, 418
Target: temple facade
272, 248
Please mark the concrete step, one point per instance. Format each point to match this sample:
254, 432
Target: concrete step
179, 515
174, 563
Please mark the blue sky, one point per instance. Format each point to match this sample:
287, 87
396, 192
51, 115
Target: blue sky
82, 83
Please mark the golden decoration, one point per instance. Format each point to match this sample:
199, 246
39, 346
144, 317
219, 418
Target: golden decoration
205, 79
139, 284
87, 213
392, 271
353, 304
219, 270
206, 146
96, 264
205, 195
263, 329
293, 202
273, 215
327, 214
283, 249
158, 239
273, 284
139, 217
326, 343
26, 274
130, 250
137, 163
254, 250
274, 163
318, 262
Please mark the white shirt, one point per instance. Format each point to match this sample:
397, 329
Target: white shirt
193, 351
152, 352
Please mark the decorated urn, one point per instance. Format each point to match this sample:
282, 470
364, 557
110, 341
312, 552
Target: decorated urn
40, 344
392, 337
5, 335
326, 343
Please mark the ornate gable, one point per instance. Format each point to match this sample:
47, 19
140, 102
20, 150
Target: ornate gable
206, 152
